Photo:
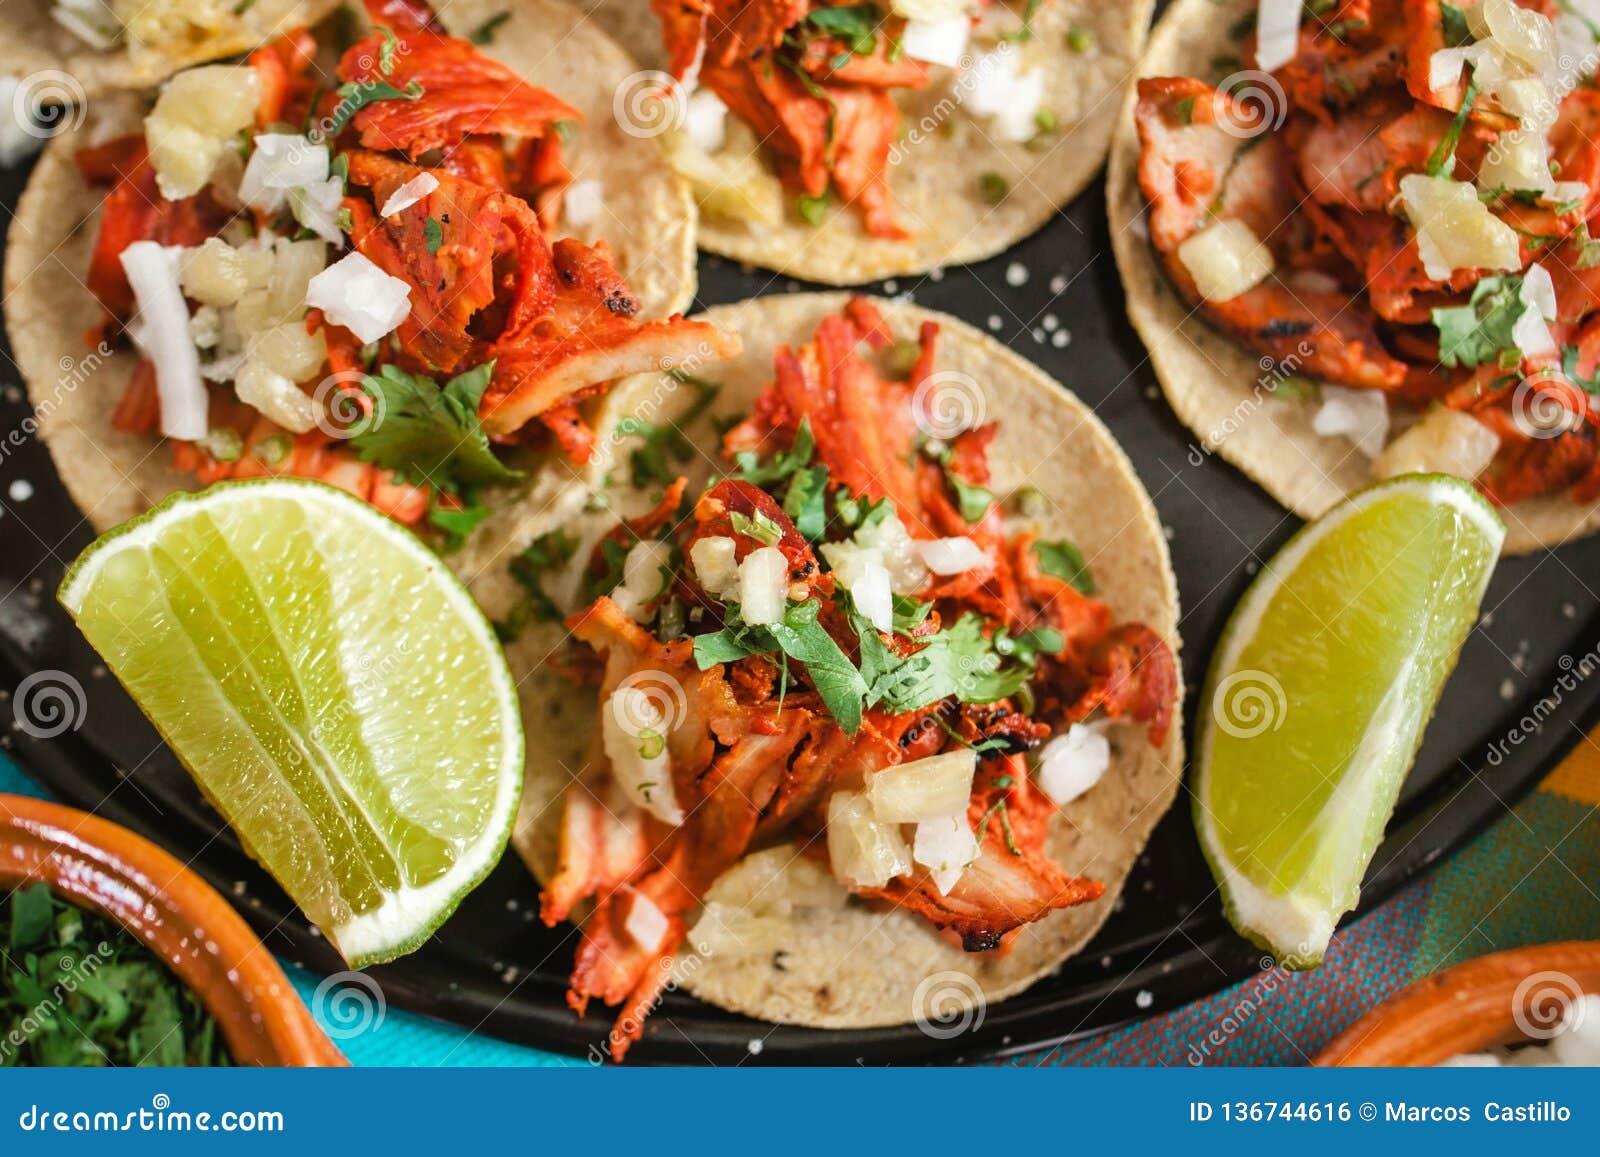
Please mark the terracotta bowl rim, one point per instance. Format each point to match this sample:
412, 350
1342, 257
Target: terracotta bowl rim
103, 867
1476, 1005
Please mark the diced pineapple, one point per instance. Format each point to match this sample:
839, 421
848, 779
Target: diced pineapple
1443, 442
1521, 33
289, 350
1518, 159
195, 120
215, 273
1455, 230
294, 264
862, 851
174, 21
923, 789
734, 184
275, 396
1225, 259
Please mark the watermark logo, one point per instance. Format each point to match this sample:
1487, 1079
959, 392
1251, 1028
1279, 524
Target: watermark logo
1547, 1004
1547, 404
48, 704
649, 103
1258, 104
344, 409
649, 705
1249, 703
348, 1004
947, 1004
946, 403
47, 103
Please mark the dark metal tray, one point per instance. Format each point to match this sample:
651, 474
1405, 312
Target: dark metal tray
493, 968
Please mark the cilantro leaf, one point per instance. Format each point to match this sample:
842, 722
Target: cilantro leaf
356, 95
959, 663
1474, 334
972, 501
758, 527
457, 524
1065, 561
1456, 31
1569, 368
432, 234
484, 33
790, 461
430, 435
835, 678
802, 638
1442, 161
806, 502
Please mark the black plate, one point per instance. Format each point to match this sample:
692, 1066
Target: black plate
495, 969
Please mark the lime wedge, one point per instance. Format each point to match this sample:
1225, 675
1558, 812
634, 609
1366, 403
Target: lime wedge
330, 686
1318, 695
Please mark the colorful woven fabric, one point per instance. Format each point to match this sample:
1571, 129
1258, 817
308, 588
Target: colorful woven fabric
1532, 878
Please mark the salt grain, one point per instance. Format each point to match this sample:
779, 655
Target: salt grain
1016, 274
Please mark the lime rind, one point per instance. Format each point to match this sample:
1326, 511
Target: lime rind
1295, 923
408, 916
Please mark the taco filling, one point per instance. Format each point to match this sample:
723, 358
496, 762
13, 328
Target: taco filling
835, 641
1393, 210
813, 85
355, 281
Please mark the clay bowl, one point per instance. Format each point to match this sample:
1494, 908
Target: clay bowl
1495, 1000
107, 869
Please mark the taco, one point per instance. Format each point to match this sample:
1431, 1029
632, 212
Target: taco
408, 281
878, 689
1365, 250
105, 45
844, 142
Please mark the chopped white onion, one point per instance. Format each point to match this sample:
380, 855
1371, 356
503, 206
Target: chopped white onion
939, 785
1277, 33
1071, 764
409, 194
1531, 333
863, 851
642, 578
161, 331
1225, 259
957, 555
999, 89
705, 121
763, 586
582, 203
280, 162
715, 566
1442, 442
945, 845
937, 41
1560, 192
872, 596
645, 924
317, 208
633, 732
355, 293
1361, 415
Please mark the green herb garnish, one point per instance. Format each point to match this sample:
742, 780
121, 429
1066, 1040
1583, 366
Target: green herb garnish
428, 434
77, 990
1065, 561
